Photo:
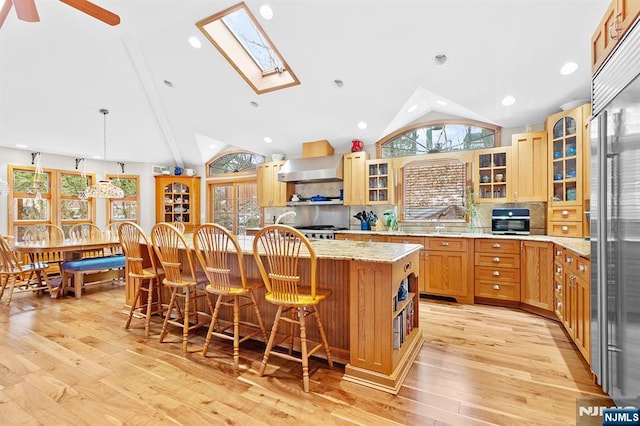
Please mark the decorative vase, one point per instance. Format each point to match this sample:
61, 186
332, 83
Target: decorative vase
357, 145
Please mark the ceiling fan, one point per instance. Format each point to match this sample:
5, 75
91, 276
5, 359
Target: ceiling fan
26, 10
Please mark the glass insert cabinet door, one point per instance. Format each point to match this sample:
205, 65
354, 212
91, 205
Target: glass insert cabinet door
565, 160
493, 175
177, 202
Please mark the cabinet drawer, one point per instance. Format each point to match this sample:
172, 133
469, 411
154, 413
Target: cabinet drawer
583, 269
511, 275
565, 229
497, 290
558, 253
497, 259
568, 213
406, 240
496, 245
446, 244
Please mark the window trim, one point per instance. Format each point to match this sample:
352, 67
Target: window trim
54, 196
225, 41
446, 121
108, 219
235, 175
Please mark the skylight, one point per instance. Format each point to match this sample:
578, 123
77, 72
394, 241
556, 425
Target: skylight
250, 37
238, 36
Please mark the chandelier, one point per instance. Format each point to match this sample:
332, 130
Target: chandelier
104, 188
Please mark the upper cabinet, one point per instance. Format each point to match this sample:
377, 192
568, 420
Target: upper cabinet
567, 134
493, 177
614, 24
271, 192
380, 182
530, 159
178, 200
354, 181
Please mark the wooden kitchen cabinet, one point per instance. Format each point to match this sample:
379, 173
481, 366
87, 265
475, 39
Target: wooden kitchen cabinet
380, 182
530, 159
493, 178
536, 279
422, 278
572, 280
354, 178
497, 269
449, 268
567, 134
271, 192
178, 200
617, 19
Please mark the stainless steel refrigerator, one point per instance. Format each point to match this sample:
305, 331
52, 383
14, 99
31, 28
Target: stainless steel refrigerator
615, 223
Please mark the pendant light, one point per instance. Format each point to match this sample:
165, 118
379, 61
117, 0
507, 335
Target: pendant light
104, 188
39, 182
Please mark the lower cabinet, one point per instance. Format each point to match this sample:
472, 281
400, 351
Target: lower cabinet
449, 269
573, 297
537, 277
422, 279
497, 269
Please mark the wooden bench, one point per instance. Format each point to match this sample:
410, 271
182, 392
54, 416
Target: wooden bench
92, 270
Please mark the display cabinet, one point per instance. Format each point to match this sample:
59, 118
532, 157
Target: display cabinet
492, 179
567, 133
178, 200
380, 182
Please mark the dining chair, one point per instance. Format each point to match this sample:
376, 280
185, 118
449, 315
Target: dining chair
170, 246
146, 281
87, 231
13, 273
45, 233
112, 231
277, 250
216, 249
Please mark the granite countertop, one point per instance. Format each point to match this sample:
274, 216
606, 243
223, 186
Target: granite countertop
578, 245
343, 250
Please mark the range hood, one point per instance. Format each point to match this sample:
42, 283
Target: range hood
313, 169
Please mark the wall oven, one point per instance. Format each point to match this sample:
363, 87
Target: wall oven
510, 221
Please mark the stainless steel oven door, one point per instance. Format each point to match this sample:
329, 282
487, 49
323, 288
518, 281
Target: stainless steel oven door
510, 226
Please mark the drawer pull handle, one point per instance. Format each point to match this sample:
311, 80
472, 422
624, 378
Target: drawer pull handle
565, 213
564, 228
569, 260
496, 287
496, 245
559, 287
496, 273
558, 253
496, 259
582, 268
407, 266
444, 243
559, 271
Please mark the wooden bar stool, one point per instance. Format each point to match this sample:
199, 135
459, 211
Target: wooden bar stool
281, 246
214, 245
145, 280
169, 243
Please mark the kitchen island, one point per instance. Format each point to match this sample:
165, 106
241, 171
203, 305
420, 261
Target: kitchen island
372, 325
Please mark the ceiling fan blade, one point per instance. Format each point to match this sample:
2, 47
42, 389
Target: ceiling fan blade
94, 10
26, 10
6, 7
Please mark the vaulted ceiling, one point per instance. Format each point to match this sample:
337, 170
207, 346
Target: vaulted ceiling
57, 73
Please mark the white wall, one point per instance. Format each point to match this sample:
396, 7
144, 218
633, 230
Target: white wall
51, 161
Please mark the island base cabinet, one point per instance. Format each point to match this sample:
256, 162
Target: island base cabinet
384, 328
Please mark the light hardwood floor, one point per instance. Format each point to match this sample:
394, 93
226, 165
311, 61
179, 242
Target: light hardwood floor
71, 362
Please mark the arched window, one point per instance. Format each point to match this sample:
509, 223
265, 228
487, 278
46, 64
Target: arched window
439, 136
234, 162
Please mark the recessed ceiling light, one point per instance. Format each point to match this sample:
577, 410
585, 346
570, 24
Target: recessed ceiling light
412, 108
267, 139
440, 59
441, 102
338, 82
362, 125
168, 83
508, 100
568, 68
266, 12
212, 146
254, 104
21, 146
195, 42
